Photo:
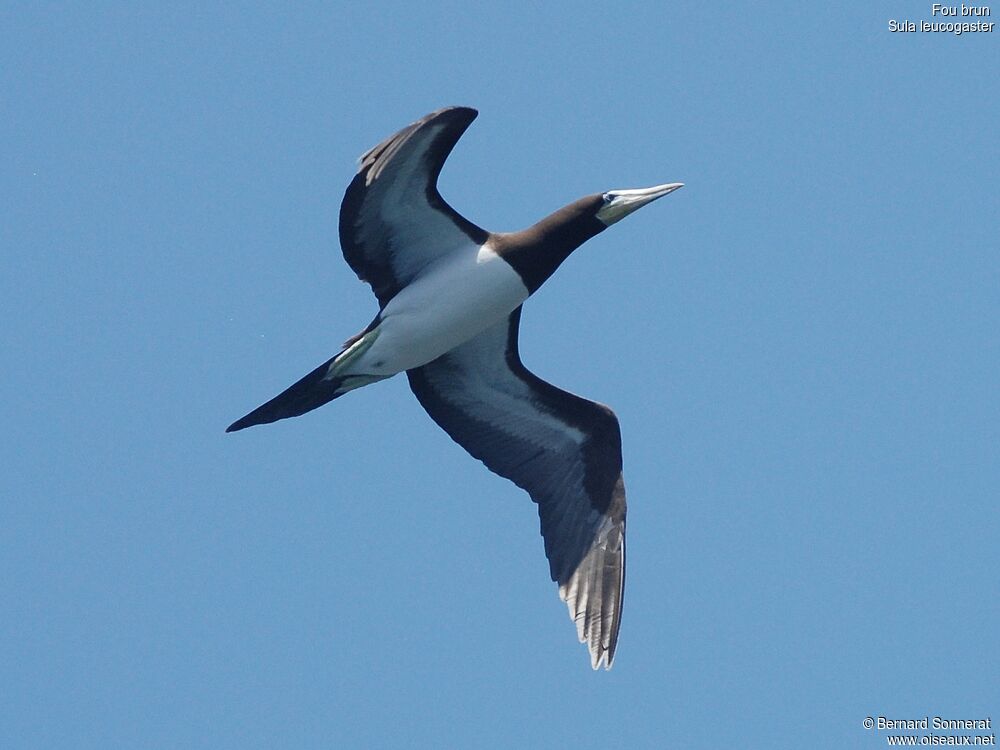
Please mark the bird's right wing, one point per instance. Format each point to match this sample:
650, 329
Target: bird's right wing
393, 221
564, 450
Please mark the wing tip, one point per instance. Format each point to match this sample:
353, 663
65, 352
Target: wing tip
599, 634
459, 112
469, 113
599, 657
594, 594
460, 118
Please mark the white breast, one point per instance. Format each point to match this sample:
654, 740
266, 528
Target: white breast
455, 299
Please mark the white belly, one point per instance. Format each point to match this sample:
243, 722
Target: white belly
455, 299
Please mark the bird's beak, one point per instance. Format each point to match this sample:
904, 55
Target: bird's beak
620, 203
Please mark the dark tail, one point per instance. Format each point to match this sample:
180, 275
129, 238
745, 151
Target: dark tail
314, 390
323, 384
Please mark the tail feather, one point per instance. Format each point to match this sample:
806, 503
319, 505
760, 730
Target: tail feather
325, 383
312, 391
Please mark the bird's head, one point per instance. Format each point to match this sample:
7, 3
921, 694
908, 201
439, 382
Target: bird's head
538, 251
617, 204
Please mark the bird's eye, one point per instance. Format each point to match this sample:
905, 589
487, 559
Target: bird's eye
608, 197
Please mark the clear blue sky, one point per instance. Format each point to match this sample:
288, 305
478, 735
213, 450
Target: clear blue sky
801, 346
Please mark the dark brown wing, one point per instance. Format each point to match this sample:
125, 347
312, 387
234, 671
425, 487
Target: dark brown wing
564, 450
393, 221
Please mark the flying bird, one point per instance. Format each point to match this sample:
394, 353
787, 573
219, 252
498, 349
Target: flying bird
450, 297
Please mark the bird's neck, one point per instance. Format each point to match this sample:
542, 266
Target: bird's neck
535, 253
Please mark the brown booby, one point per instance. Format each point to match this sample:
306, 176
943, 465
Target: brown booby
450, 296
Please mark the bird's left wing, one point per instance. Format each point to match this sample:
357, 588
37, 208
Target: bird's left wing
564, 450
393, 221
